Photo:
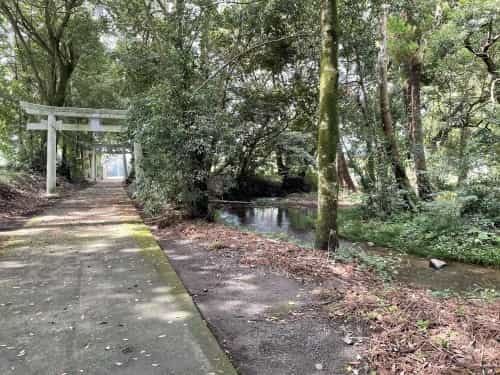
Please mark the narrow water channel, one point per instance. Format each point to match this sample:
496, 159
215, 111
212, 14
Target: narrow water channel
298, 224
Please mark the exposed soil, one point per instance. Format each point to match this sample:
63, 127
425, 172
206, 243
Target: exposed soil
24, 197
270, 324
281, 309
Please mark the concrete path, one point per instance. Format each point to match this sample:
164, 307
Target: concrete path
85, 289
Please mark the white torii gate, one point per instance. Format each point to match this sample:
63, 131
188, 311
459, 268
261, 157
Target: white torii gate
95, 124
109, 148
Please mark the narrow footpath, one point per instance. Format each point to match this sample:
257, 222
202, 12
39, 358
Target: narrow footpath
85, 289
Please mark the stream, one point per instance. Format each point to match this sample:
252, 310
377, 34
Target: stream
297, 224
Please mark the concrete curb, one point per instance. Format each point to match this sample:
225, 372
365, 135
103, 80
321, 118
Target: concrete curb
151, 251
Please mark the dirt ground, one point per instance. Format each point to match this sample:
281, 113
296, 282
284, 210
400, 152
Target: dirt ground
281, 309
269, 323
24, 196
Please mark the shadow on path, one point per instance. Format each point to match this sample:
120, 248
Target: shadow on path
83, 291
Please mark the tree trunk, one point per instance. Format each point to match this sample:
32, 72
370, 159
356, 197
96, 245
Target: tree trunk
367, 180
464, 166
283, 170
417, 133
364, 178
180, 8
65, 73
343, 171
391, 146
328, 129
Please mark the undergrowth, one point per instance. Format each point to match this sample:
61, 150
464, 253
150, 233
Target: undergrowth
382, 266
435, 232
486, 295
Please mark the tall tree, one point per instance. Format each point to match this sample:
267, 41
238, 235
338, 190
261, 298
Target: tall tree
408, 32
328, 129
49, 40
49, 35
414, 72
387, 122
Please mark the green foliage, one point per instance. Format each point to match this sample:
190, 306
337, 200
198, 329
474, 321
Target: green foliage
222, 92
199, 130
383, 201
487, 295
404, 39
383, 266
480, 199
7, 132
423, 325
188, 142
438, 230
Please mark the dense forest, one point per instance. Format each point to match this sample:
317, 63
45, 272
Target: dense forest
224, 99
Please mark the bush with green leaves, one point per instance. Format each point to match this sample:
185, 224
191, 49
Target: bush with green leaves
481, 197
383, 202
179, 137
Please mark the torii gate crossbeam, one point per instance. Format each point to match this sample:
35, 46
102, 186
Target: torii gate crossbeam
52, 125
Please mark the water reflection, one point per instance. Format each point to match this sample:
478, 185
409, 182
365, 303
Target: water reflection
298, 224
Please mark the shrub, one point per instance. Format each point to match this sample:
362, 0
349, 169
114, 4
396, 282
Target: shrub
481, 197
438, 230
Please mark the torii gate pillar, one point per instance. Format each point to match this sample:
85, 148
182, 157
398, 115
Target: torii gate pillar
51, 154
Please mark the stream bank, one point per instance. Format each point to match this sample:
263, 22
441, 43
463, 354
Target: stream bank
297, 225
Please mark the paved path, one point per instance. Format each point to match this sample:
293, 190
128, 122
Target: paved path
85, 289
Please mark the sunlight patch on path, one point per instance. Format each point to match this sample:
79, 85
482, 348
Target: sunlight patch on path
85, 287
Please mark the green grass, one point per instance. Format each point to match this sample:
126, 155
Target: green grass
437, 233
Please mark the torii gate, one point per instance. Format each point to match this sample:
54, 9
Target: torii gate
110, 148
95, 124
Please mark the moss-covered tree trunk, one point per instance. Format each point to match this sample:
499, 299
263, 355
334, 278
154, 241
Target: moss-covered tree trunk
328, 138
391, 145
